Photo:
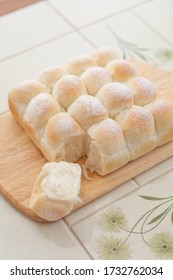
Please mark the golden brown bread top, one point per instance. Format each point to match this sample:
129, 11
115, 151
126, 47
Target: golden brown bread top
87, 110
115, 97
67, 89
78, 64
95, 78
104, 55
121, 70
61, 127
144, 91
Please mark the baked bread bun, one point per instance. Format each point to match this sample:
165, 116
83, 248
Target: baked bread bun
87, 110
67, 89
56, 190
95, 78
162, 111
107, 151
51, 75
104, 55
121, 70
78, 64
40, 109
144, 91
63, 139
115, 97
138, 126
21, 94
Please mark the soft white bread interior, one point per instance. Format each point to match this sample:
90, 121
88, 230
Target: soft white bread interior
56, 190
121, 70
138, 127
115, 97
107, 150
63, 139
40, 109
78, 64
104, 55
21, 94
162, 111
87, 110
51, 75
144, 91
95, 78
67, 89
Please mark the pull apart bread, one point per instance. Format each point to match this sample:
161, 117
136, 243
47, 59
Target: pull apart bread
96, 107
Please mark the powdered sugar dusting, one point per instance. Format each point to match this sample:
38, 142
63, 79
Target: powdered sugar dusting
140, 116
64, 124
39, 105
91, 106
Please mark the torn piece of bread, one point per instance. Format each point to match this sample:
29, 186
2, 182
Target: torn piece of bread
107, 150
56, 190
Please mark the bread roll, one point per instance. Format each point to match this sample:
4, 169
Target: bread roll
40, 109
162, 111
107, 151
104, 55
87, 110
121, 70
56, 190
78, 64
67, 89
144, 91
115, 97
95, 78
21, 94
63, 139
138, 126
51, 75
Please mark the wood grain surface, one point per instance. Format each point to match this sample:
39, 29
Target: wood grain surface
21, 161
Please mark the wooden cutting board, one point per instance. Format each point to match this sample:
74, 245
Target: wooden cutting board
21, 161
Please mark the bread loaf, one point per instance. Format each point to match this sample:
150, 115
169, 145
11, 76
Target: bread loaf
95, 107
56, 190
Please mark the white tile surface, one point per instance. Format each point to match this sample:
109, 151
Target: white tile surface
101, 202
22, 238
29, 65
80, 12
131, 30
132, 208
28, 27
158, 14
154, 172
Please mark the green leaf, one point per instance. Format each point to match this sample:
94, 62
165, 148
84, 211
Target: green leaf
172, 217
153, 197
158, 217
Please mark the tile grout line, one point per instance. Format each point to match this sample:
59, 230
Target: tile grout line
149, 26
71, 25
37, 46
105, 206
113, 14
152, 180
74, 234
